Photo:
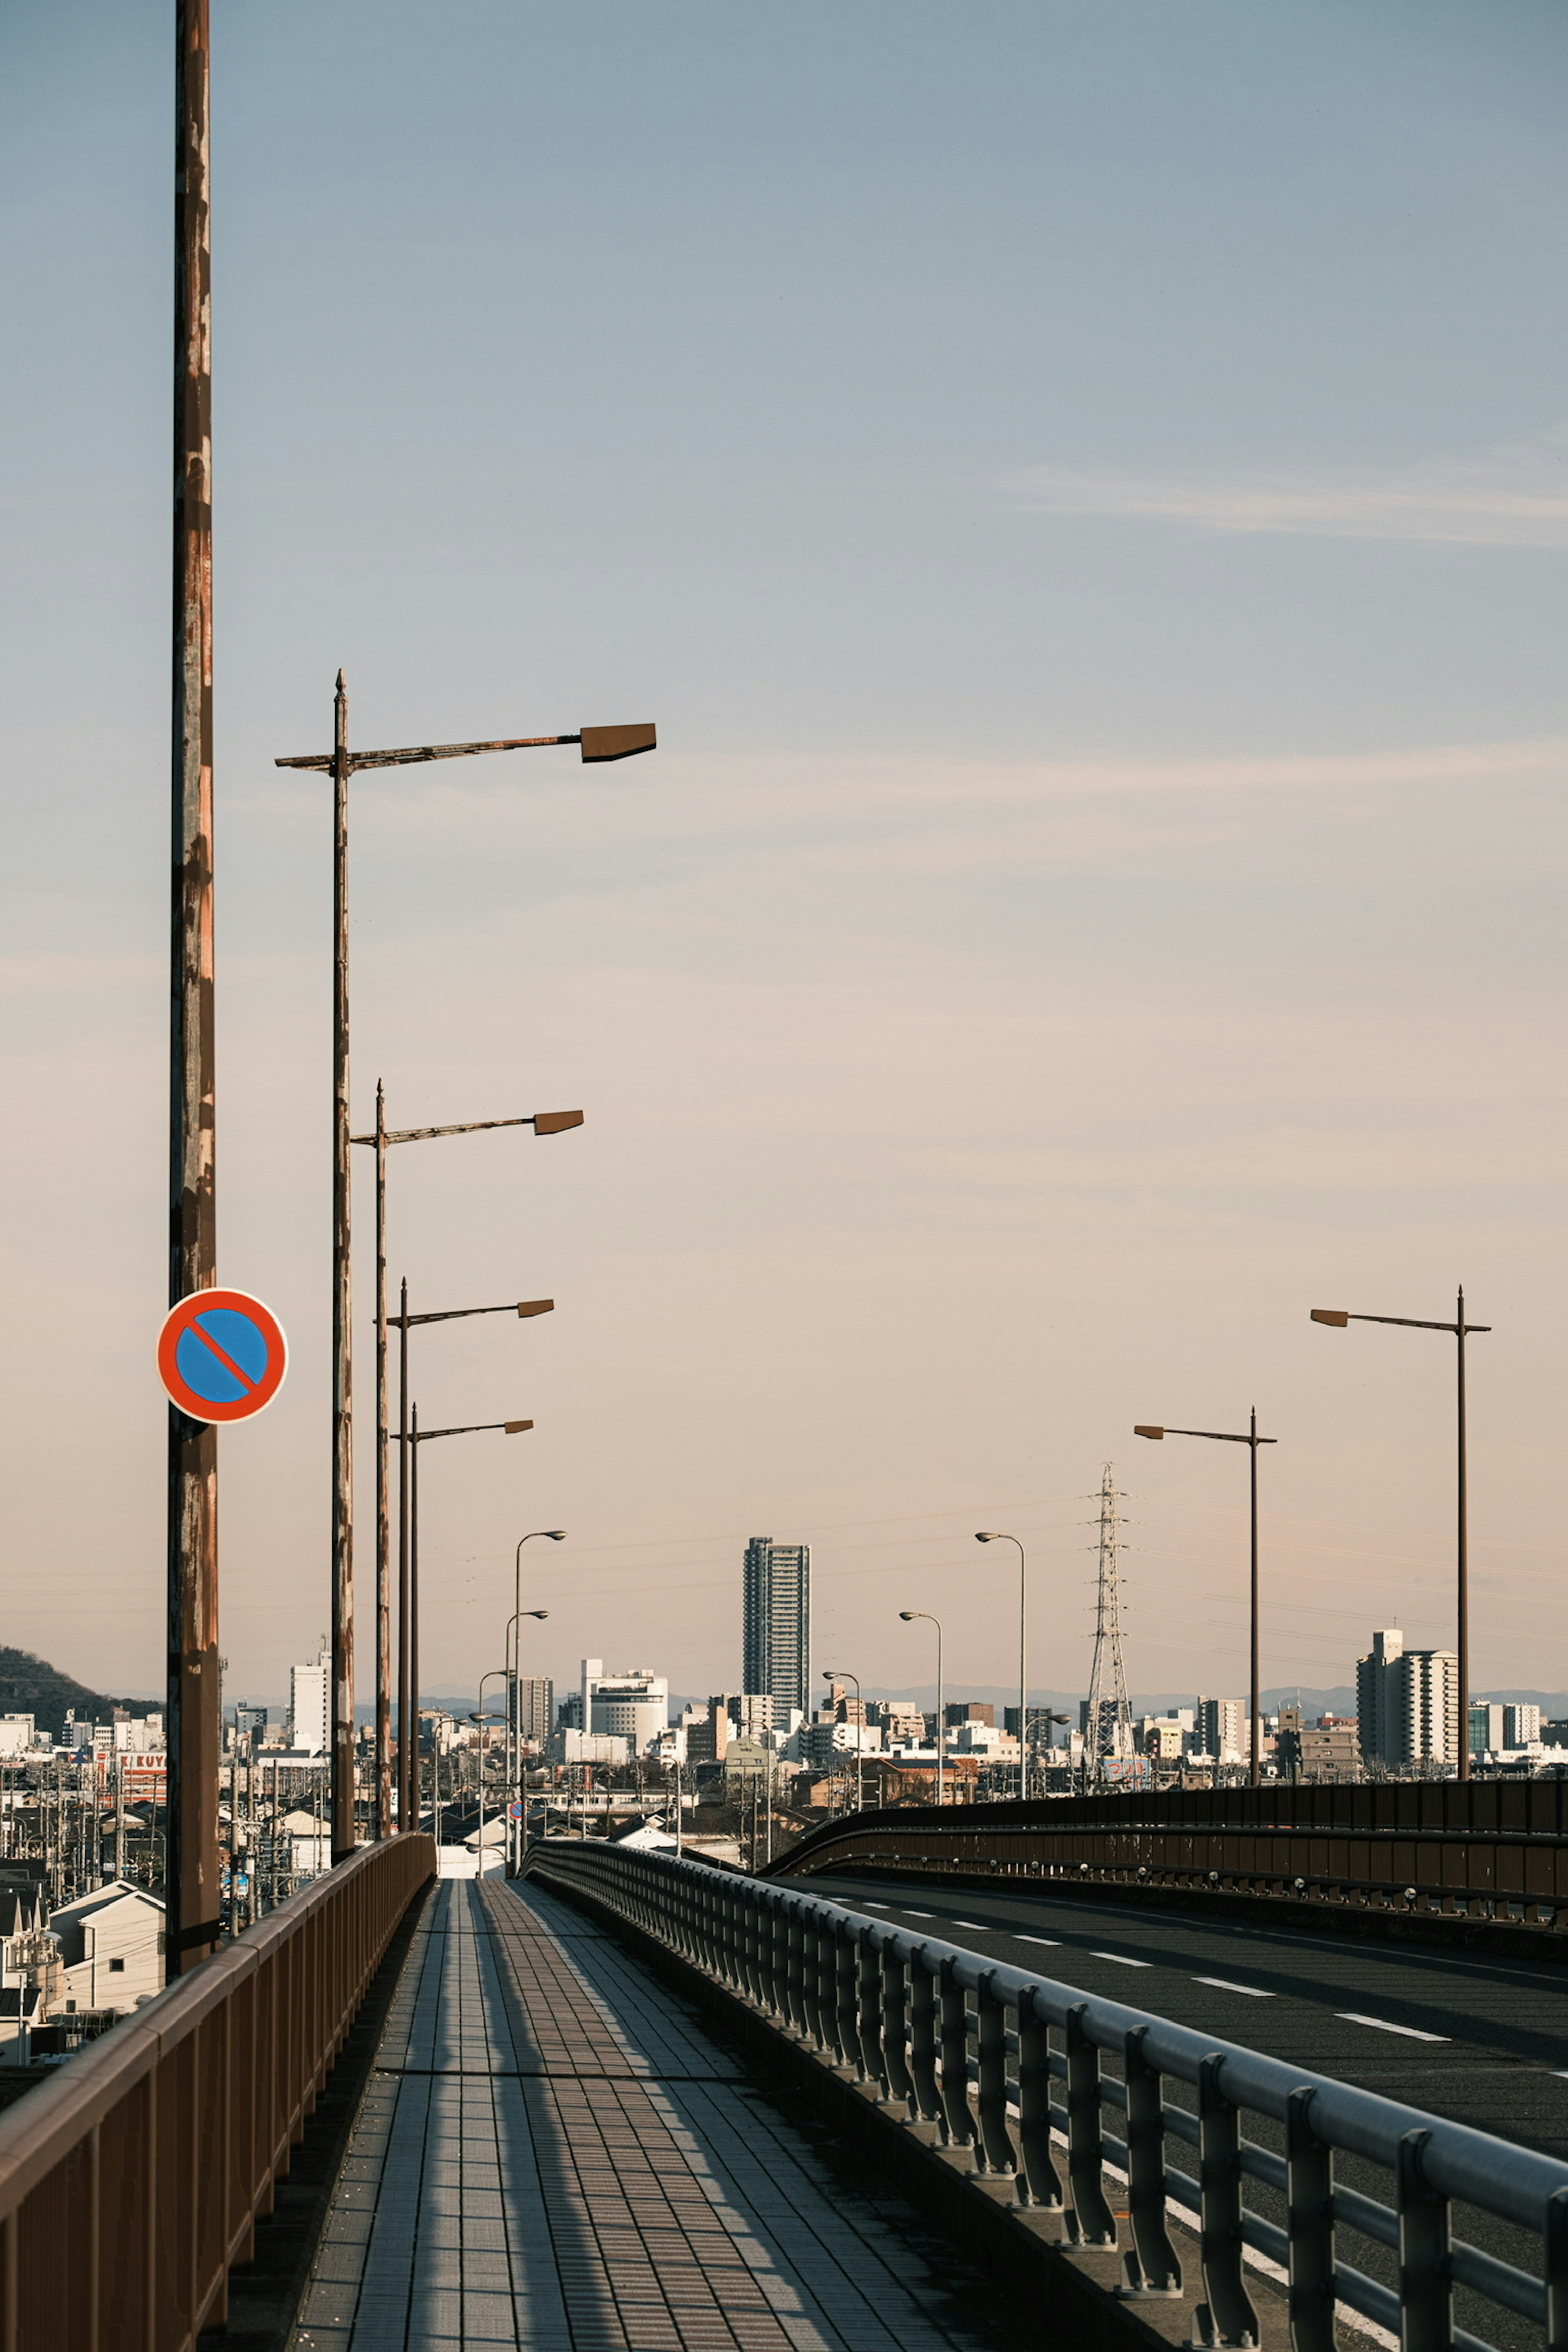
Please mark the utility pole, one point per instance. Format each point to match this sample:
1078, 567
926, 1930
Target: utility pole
193, 1728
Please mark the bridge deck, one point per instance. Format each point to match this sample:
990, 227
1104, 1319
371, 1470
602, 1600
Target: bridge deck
554, 2153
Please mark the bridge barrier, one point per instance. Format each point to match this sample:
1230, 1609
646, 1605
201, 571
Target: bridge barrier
1472, 1850
1011, 2068
131, 2182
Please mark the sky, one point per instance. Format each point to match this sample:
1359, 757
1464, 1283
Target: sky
1083, 493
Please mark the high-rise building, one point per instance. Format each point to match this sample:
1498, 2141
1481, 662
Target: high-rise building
1220, 1726
776, 1634
536, 1706
1520, 1725
1407, 1703
308, 1729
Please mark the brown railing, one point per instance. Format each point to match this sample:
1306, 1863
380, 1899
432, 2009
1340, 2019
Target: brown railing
131, 2182
1482, 1850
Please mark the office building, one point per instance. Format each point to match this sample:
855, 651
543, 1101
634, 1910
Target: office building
776, 1629
308, 1696
1520, 1725
1407, 1703
632, 1706
1485, 1727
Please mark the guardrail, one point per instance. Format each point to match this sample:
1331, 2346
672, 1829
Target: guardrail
131, 2182
1476, 1852
1014, 2068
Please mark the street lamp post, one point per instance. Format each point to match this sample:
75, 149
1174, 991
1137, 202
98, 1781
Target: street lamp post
1252, 1440
524, 1308
834, 1675
514, 1656
910, 1616
543, 1122
408, 1728
597, 743
1461, 1331
1023, 1658
482, 1718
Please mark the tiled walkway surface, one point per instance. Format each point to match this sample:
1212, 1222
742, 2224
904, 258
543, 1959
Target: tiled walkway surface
554, 2153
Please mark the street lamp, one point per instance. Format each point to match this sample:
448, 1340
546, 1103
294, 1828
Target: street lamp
514, 1658
1252, 1440
543, 1122
832, 1675
524, 1307
598, 743
1023, 1659
1461, 1331
910, 1616
482, 1718
408, 1726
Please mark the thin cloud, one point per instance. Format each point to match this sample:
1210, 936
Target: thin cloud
1514, 496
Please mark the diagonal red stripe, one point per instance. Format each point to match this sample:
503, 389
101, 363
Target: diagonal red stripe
227, 1361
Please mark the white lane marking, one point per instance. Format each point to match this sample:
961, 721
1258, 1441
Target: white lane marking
1412, 2032
1253, 1992
1121, 1959
971, 1923
919, 1914
1053, 1941
873, 1906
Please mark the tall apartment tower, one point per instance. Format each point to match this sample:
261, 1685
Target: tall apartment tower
308, 1730
776, 1632
1407, 1703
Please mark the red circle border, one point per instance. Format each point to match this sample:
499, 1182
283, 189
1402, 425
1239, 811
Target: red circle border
179, 1320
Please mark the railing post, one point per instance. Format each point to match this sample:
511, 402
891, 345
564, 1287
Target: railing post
922, 2038
1152, 2264
896, 1978
1091, 2221
868, 1962
1227, 2316
795, 1961
954, 2015
847, 1973
1426, 2280
995, 2154
1039, 2183
1310, 2226
1554, 2253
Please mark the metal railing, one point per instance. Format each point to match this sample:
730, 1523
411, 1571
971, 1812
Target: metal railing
1090, 2106
133, 2180
1479, 1850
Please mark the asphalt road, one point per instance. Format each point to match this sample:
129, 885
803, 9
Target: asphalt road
1482, 2040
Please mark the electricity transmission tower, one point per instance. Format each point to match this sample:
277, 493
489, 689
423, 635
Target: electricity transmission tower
1109, 1730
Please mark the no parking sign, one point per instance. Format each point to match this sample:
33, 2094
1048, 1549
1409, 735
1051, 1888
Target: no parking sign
222, 1355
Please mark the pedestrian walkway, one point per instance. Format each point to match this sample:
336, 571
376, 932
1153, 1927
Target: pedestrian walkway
554, 2153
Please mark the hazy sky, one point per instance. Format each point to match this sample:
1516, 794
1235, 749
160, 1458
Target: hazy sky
1081, 489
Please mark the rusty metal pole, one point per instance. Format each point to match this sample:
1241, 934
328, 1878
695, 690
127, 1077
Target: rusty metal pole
193, 1726
342, 1723
414, 1772
1254, 1767
383, 1516
405, 1641
1464, 1592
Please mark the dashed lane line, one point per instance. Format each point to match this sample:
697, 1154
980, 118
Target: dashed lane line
1253, 1992
1122, 1959
1383, 2026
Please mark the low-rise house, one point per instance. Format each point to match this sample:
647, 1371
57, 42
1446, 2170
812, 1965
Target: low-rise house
110, 1945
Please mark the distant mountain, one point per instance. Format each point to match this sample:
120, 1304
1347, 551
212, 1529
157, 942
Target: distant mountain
30, 1685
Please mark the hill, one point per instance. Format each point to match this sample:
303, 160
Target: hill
30, 1685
